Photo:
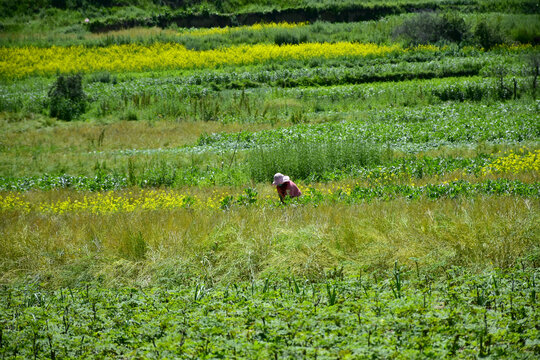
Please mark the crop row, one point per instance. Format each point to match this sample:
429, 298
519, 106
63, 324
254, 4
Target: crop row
331, 75
158, 99
412, 129
234, 29
398, 313
111, 202
21, 62
109, 91
403, 169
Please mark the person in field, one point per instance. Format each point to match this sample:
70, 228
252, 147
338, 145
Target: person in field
285, 187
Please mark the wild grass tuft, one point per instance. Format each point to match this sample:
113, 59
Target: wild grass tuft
309, 159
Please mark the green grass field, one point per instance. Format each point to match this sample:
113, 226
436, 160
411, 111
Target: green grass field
137, 216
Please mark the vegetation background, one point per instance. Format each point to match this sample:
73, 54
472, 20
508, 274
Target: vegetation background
139, 140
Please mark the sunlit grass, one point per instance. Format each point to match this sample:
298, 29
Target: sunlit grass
35, 145
246, 242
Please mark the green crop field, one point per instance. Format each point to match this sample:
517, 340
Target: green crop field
139, 140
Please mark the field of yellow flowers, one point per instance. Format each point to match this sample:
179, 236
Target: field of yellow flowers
515, 162
20, 62
234, 29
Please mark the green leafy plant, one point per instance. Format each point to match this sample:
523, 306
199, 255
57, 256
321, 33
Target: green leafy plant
67, 99
460, 315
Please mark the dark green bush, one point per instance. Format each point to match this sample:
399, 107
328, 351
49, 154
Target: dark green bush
9, 8
487, 35
526, 35
427, 28
288, 38
67, 99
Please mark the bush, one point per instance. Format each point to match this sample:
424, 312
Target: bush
287, 38
427, 28
486, 35
67, 99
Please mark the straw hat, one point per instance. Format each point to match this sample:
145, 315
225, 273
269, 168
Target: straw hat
279, 179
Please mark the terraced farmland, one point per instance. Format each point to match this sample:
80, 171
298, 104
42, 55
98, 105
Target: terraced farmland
140, 140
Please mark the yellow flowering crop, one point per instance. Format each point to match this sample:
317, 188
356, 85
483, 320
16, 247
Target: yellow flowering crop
514, 47
515, 162
19, 62
13, 201
111, 202
255, 27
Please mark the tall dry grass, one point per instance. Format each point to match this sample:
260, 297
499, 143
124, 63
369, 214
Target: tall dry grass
183, 246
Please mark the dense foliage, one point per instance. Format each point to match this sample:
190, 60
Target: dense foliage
67, 99
396, 314
430, 28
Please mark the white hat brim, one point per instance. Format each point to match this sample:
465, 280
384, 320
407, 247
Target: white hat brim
284, 179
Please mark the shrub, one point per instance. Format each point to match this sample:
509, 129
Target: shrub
486, 35
67, 99
427, 28
78, 4
454, 28
10, 8
287, 38
525, 35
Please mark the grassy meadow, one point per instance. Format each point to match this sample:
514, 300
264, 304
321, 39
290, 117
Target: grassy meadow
137, 216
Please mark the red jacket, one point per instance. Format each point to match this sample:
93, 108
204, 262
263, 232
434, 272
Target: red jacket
288, 188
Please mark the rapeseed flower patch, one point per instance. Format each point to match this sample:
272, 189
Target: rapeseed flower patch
114, 202
109, 202
514, 47
514, 163
13, 201
20, 62
102, 202
254, 27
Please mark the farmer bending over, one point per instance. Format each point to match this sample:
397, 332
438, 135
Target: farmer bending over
285, 187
